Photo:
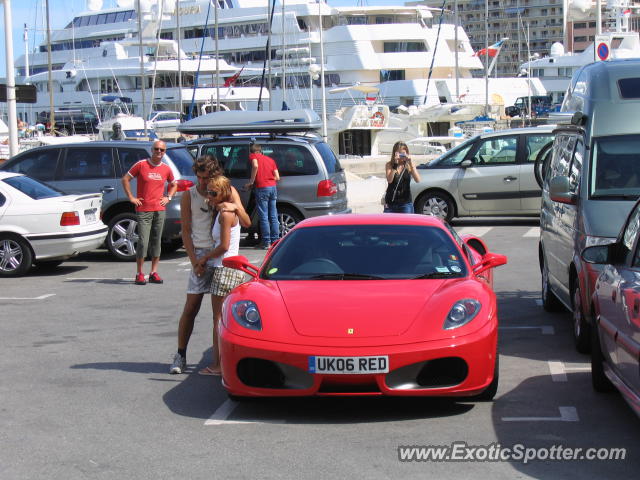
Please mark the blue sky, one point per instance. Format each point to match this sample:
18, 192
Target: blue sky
61, 12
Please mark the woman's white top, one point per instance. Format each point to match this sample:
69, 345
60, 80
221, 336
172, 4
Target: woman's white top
234, 241
200, 221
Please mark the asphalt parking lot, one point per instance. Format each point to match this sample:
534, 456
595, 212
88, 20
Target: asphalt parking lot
86, 393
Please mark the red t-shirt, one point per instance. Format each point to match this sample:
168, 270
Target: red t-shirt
150, 179
266, 167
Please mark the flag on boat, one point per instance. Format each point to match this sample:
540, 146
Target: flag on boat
626, 13
493, 49
230, 82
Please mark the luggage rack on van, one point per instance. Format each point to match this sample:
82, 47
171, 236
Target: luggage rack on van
245, 121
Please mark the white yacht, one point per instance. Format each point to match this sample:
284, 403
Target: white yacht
555, 71
97, 53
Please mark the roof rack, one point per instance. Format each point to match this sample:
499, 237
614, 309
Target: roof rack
245, 121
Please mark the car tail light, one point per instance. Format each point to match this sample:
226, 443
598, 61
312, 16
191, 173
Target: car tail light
69, 218
327, 188
184, 185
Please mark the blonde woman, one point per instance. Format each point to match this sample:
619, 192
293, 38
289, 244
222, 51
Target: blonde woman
226, 238
399, 171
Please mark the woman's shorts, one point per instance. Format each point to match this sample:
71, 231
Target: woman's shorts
224, 280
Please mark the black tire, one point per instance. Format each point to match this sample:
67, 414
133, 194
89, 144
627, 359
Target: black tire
287, 218
490, 392
581, 333
540, 163
15, 256
549, 300
436, 203
599, 380
122, 238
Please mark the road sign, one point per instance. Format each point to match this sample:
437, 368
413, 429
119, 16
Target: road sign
24, 93
602, 48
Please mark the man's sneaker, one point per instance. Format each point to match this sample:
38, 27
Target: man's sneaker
140, 279
179, 364
155, 278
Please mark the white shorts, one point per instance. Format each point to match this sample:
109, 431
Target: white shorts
201, 284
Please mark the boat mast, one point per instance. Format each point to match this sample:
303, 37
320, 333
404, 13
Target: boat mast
284, 63
322, 81
179, 56
486, 58
455, 40
11, 82
52, 113
215, 39
142, 79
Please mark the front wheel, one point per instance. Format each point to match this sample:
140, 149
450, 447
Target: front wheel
122, 238
288, 218
436, 204
581, 334
15, 256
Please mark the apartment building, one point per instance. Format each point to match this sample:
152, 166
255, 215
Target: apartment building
532, 26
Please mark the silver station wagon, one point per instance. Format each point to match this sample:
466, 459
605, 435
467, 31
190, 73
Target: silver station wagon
488, 175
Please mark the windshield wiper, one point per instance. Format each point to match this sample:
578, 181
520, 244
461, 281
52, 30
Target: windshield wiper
345, 276
436, 275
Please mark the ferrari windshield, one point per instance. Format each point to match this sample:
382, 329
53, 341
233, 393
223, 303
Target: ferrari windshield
365, 252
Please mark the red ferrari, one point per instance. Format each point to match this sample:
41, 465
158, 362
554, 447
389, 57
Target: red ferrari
389, 304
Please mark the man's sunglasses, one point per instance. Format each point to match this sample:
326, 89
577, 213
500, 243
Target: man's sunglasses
159, 149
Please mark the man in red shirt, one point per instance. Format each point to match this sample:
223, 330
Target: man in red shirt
150, 202
264, 175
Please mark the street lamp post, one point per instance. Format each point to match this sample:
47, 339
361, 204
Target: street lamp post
12, 116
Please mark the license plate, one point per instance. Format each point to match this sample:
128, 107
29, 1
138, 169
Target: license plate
349, 365
90, 215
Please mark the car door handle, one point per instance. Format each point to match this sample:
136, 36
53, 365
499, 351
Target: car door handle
510, 179
107, 189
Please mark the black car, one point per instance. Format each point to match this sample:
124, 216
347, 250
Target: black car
70, 122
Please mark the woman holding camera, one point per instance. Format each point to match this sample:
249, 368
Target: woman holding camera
399, 171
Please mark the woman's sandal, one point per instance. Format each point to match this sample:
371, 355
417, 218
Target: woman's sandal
209, 371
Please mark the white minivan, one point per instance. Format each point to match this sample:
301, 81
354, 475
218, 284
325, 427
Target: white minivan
591, 180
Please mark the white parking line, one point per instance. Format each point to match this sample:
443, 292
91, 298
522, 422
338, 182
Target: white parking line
546, 329
220, 416
559, 370
567, 414
41, 297
533, 232
477, 231
130, 279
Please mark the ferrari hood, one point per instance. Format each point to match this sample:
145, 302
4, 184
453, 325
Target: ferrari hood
360, 308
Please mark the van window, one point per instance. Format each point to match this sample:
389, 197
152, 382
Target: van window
534, 144
182, 159
85, 163
496, 150
629, 87
292, 160
329, 158
234, 159
40, 164
616, 167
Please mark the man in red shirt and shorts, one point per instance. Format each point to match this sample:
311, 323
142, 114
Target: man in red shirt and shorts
150, 202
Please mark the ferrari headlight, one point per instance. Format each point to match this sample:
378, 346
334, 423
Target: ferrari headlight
246, 313
462, 312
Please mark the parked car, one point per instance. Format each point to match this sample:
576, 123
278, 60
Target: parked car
70, 122
99, 167
488, 175
39, 224
615, 330
312, 181
165, 120
541, 105
591, 180
402, 288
